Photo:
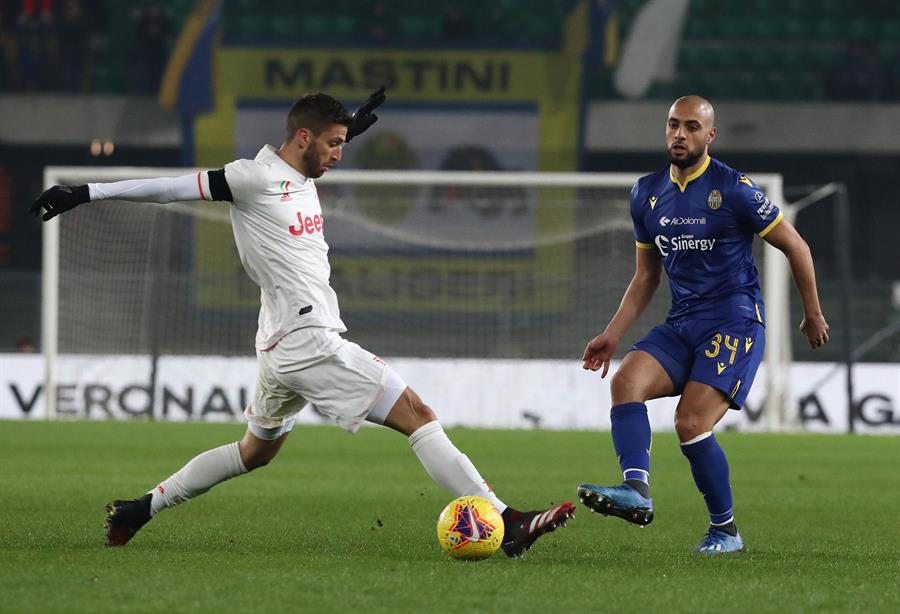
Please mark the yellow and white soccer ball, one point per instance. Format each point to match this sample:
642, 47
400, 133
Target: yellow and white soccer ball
470, 528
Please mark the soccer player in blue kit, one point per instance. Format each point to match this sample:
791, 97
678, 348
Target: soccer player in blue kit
697, 219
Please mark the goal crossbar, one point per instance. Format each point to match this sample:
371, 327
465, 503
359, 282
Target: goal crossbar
775, 271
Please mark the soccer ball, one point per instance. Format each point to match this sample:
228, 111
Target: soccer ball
470, 528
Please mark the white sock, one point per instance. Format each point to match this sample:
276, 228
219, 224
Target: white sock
200, 474
448, 466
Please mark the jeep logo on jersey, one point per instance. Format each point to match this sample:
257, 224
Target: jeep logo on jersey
307, 225
680, 221
714, 200
682, 243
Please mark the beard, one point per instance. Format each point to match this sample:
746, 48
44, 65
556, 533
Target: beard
313, 163
688, 160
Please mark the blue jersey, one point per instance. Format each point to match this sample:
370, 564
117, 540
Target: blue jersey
703, 230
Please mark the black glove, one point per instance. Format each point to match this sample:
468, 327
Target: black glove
60, 198
363, 117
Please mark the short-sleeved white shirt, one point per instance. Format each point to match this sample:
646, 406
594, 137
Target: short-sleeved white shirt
279, 231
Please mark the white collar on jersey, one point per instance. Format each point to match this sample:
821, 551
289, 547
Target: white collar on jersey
269, 155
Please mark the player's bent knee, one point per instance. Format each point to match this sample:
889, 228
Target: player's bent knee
426, 414
256, 463
419, 413
256, 453
409, 413
626, 388
258, 458
688, 426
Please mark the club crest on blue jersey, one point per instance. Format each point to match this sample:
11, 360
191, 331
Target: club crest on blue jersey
714, 200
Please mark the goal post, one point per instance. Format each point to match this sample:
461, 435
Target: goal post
426, 264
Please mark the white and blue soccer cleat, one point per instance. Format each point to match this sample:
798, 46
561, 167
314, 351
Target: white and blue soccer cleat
720, 542
622, 501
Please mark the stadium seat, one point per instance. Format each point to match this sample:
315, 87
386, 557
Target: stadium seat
766, 7
599, 85
3, 76
664, 90
827, 29
347, 25
825, 56
766, 28
809, 85
723, 57
829, 8
694, 28
106, 80
692, 83
418, 28
252, 26
795, 29
889, 31
747, 86
181, 7
730, 28
317, 26
861, 29
798, 8
764, 57
693, 56
784, 86
887, 53
793, 56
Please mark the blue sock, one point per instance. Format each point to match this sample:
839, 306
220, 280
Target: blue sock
710, 469
631, 438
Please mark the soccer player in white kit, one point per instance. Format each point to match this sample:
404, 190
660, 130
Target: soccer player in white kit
279, 231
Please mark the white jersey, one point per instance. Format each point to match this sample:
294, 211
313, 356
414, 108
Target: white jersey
278, 228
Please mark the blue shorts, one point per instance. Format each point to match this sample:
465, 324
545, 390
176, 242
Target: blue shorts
722, 354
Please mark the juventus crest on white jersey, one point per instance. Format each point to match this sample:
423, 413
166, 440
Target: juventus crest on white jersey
279, 231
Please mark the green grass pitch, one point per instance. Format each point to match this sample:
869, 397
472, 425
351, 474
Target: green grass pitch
346, 523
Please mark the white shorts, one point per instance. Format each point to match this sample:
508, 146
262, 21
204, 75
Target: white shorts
318, 366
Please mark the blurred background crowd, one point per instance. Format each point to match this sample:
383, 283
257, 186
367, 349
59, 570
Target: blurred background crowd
732, 50
80, 84
81, 46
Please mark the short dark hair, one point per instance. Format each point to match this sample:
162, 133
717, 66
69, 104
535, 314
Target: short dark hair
316, 112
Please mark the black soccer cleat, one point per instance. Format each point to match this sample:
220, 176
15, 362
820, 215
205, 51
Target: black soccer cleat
522, 529
622, 501
125, 518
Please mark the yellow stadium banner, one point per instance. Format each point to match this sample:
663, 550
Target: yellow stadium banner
547, 82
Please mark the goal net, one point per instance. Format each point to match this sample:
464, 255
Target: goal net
425, 265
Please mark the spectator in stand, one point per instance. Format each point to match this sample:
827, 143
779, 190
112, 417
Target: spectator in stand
456, 26
73, 28
7, 45
859, 76
26, 345
893, 77
376, 23
152, 37
97, 18
33, 41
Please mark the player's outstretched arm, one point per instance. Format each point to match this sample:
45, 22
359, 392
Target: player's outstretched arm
786, 238
203, 185
648, 271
